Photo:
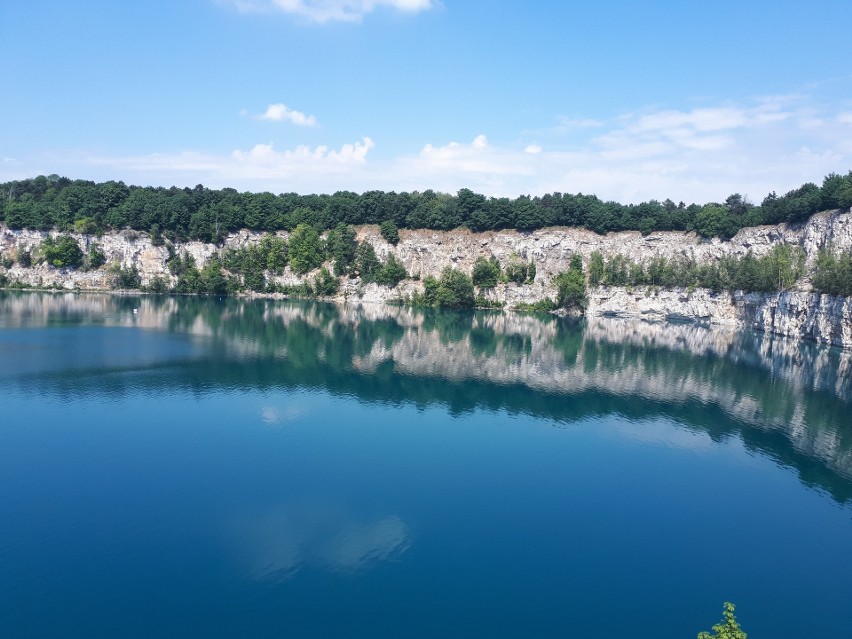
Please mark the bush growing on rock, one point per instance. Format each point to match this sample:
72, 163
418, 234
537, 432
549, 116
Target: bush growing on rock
833, 273
96, 257
571, 286
158, 286
275, 250
305, 249
520, 272
392, 272
596, 268
62, 252
127, 278
389, 232
486, 273
367, 265
325, 283
342, 247
455, 290
778, 270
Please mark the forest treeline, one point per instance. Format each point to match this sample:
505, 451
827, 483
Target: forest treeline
200, 213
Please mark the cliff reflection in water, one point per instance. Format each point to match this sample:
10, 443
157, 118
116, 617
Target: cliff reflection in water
787, 400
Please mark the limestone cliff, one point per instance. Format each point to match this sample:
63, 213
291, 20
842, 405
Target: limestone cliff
798, 313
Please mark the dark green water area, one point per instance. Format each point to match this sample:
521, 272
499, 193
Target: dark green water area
186, 467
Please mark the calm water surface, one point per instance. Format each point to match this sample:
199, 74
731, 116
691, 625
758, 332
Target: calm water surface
275, 469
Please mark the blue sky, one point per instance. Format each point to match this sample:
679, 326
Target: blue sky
628, 100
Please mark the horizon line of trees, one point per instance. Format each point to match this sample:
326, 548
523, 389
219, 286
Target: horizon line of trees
200, 213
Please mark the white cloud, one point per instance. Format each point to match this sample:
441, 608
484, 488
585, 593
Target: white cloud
476, 158
332, 10
691, 155
480, 142
264, 156
281, 112
710, 128
808, 155
302, 168
617, 147
700, 155
714, 119
810, 122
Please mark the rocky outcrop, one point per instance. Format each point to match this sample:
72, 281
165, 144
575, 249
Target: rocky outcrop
824, 319
699, 305
798, 314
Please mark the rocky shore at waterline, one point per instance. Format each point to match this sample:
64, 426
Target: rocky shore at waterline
798, 313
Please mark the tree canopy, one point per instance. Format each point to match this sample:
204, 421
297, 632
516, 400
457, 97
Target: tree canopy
47, 202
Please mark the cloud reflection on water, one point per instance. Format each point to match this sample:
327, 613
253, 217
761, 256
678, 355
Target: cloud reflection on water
273, 416
281, 543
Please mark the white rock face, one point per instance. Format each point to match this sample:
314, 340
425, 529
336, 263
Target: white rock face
427, 252
796, 314
657, 305
821, 318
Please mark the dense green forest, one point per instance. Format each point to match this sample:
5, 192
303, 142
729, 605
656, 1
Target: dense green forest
209, 214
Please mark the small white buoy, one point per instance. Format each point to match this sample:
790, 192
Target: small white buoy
135, 310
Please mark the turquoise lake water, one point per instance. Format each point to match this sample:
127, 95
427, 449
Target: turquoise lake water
225, 468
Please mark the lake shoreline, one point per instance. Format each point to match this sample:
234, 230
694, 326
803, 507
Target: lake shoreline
798, 312
822, 319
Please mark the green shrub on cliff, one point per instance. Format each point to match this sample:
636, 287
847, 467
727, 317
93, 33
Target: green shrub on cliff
455, 290
519, 271
486, 273
325, 284
62, 252
571, 286
389, 232
391, 273
778, 270
305, 249
96, 257
367, 265
833, 273
127, 278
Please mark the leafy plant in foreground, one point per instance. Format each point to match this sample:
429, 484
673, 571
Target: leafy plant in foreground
728, 628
